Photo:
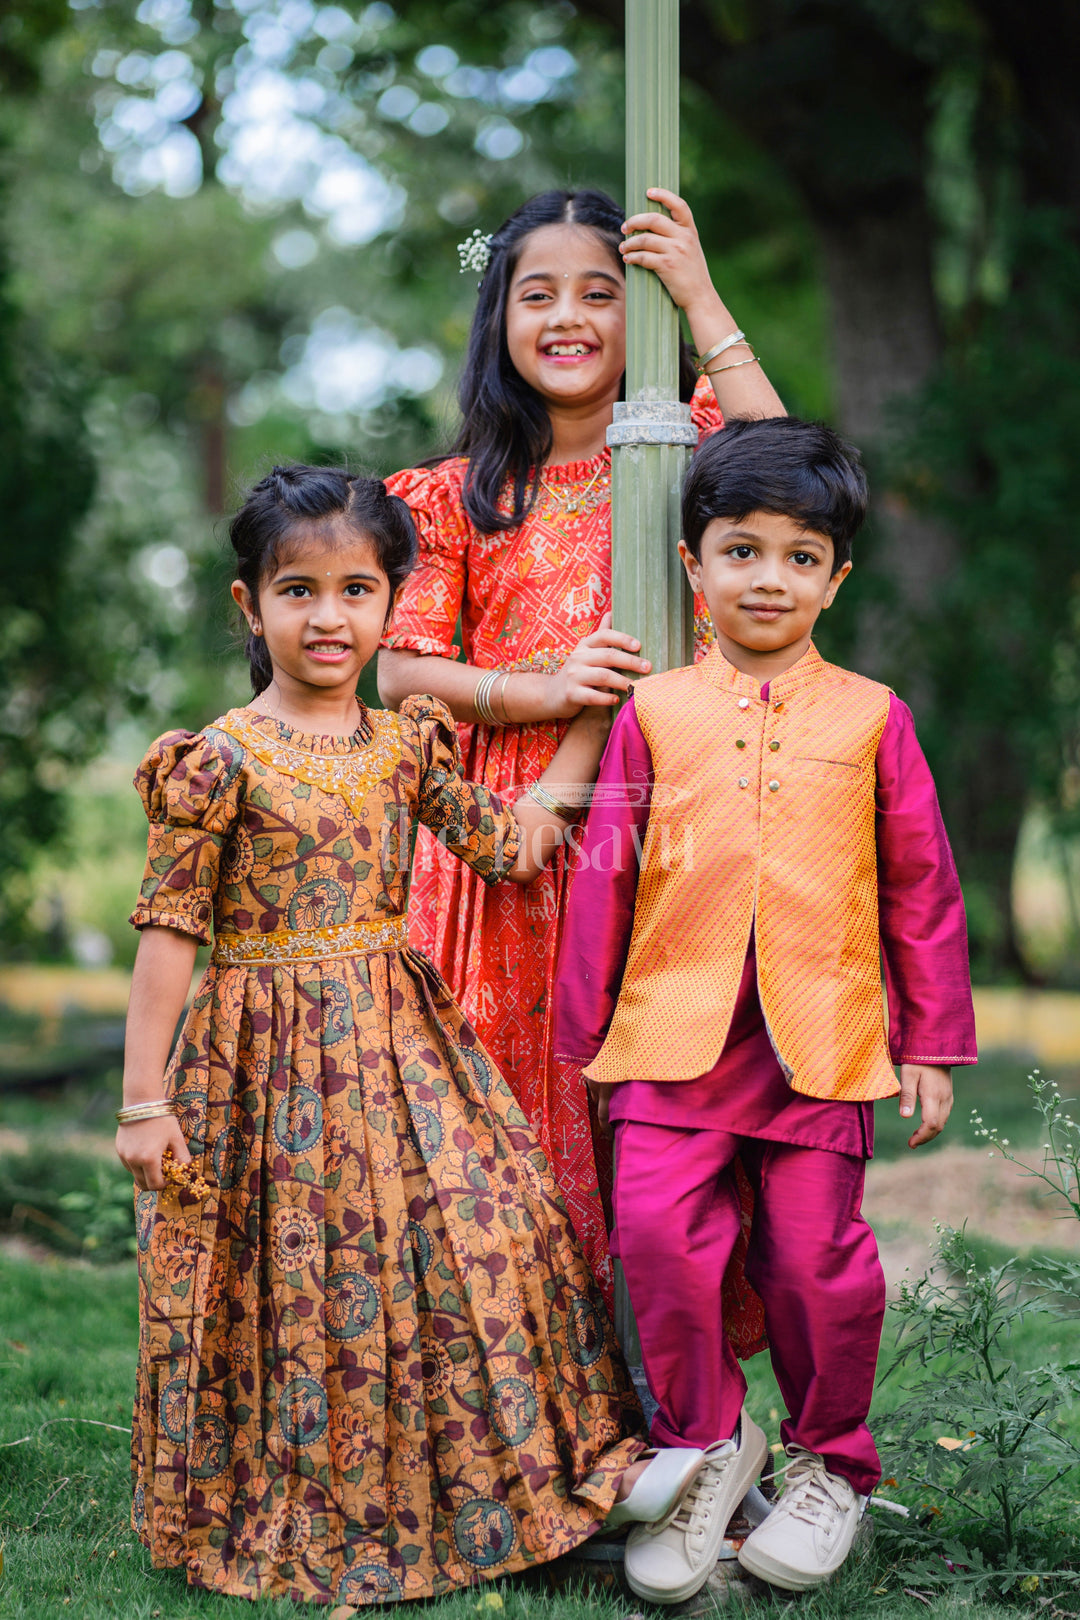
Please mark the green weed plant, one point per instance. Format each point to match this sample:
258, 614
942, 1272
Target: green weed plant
994, 1445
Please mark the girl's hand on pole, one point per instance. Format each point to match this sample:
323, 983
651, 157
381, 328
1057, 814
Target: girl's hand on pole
140, 1148
671, 247
930, 1086
593, 674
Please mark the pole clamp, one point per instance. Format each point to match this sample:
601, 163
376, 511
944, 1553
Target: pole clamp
648, 421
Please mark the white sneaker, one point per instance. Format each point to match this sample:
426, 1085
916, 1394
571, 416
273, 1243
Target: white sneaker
809, 1532
672, 1560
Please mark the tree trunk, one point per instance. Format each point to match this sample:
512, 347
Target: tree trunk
886, 345
207, 409
886, 336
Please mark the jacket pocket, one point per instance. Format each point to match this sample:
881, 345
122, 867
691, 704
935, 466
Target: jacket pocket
832, 770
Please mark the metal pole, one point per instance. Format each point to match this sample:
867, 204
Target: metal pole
652, 433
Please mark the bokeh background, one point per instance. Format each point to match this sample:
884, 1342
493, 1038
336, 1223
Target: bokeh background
229, 237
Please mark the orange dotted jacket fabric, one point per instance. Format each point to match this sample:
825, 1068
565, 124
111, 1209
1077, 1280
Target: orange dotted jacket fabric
763, 816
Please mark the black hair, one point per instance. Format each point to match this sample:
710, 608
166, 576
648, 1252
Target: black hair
801, 470
289, 498
506, 431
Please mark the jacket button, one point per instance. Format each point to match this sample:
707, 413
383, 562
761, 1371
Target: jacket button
744, 781
740, 742
775, 746
744, 703
779, 704
774, 786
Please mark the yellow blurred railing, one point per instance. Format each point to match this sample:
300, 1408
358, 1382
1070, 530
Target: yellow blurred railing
1044, 1024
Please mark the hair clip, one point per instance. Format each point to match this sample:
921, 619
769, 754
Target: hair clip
475, 252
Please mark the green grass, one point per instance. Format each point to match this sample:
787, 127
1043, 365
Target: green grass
67, 1344
67, 1351
997, 1086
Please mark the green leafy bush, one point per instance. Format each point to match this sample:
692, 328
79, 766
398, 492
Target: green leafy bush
991, 1443
75, 1204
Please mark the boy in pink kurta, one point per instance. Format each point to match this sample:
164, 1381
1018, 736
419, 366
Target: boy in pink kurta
773, 509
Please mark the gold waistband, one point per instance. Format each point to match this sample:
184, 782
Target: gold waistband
313, 944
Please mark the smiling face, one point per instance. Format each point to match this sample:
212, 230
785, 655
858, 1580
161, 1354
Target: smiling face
321, 610
566, 316
765, 580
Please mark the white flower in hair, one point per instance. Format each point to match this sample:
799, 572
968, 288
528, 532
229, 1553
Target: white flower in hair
475, 252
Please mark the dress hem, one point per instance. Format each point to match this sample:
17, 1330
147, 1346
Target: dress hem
515, 1567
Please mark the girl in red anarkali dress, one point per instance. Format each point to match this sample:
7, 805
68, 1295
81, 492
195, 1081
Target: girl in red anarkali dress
515, 539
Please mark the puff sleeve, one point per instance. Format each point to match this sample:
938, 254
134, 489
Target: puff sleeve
190, 785
470, 820
704, 410
427, 611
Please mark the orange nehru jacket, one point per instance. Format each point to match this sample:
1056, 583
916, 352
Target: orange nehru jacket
763, 817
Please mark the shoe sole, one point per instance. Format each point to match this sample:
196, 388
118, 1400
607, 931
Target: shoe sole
752, 1464
769, 1569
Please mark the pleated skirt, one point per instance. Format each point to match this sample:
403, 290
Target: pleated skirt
373, 1362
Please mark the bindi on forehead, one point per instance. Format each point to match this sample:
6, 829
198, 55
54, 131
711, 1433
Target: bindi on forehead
321, 555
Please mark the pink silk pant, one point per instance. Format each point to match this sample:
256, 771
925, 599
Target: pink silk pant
813, 1259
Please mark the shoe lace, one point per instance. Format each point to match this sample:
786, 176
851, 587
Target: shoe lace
693, 1511
811, 1493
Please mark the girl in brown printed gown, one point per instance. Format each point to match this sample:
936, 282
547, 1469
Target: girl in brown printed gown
373, 1363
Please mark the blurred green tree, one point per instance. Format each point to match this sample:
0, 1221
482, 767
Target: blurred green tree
234, 231
50, 680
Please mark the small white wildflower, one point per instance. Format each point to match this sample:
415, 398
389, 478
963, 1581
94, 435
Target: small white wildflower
475, 252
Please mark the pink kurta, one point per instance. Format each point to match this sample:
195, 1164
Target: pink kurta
692, 1153
923, 937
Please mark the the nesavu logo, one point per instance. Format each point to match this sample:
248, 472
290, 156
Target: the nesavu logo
663, 838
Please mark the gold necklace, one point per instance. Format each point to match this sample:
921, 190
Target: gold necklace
268, 714
571, 504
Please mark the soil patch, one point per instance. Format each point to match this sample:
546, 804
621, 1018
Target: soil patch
904, 1198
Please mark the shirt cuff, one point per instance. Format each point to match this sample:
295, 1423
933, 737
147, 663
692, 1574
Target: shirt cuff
196, 926
508, 854
940, 1062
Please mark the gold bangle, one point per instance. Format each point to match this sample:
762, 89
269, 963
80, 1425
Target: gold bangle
500, 698
733, 366
553, 806
719, 348
137, 1112
482, 697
